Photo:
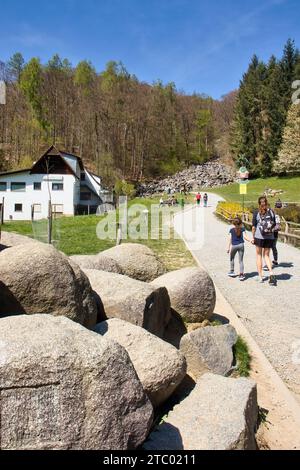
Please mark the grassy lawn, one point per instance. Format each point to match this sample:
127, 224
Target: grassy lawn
290, 186
77, 235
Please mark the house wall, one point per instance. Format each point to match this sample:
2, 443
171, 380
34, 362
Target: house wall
31, 196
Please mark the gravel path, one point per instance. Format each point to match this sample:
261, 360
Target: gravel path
271, 314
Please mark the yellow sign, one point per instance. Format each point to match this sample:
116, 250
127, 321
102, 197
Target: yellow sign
243, 189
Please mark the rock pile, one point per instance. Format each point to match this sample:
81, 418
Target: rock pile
208, 175
89, 357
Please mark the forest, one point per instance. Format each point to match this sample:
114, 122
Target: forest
127, 129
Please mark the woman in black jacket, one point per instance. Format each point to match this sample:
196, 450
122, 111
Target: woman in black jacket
263, 237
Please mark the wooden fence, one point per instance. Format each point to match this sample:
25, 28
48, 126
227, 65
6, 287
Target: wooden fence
290, 234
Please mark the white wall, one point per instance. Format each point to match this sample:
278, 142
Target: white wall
30, 196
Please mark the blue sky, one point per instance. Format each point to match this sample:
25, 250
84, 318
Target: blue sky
202, 46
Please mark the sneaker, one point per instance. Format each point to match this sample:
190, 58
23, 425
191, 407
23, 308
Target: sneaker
261, 280
242, 277
275, 263
273, 281
265, 268
231, 274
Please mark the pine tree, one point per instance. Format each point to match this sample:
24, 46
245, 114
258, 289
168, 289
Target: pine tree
289, 64
248, 127
15, 66
289, 154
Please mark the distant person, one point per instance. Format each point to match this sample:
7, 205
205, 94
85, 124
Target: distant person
237, 237
205, 199
161, 202
198, 199
263, 224
182, 202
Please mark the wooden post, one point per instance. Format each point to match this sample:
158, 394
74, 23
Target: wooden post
49, 223
286, 231
2, 213
88, 209
119, 234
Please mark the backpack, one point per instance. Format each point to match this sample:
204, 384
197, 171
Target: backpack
267, 222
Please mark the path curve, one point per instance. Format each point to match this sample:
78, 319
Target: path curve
270, 314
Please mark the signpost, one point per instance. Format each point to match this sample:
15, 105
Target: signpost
243, 175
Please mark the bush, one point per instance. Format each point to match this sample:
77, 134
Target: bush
290, 213
122, 188
232, 209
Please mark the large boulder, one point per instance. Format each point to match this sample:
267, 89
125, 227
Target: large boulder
191, 291
36, 278
65, 387
10, 239
219, 414
102, 263
159, 366
175, 330
134, 301
209, 349
136, 260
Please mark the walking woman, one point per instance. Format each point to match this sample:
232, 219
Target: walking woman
237, 237
263, 237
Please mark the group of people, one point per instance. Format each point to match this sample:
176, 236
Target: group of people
171, 201
199, 199
265, 229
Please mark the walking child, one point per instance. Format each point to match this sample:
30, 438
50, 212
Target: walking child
236, 244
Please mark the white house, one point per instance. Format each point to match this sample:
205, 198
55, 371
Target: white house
58, 177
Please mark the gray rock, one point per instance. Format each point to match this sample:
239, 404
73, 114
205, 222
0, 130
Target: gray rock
210, 174
10, 239
191, 291
209, 349
219, 414
36, 278
175, 330
102, 263
65, 387
159, 366
134, 301
136, 260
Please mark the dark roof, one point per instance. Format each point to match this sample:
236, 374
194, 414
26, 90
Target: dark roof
14, 172
54, 151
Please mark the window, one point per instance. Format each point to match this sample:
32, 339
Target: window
57, 186
58, 208
86, 196
18, 187
18, 207
3, 186
82, 176
37, 186
37, 208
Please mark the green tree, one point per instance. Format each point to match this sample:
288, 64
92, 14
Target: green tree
289, 64
85, 74
31, 83
15, 66
248, 137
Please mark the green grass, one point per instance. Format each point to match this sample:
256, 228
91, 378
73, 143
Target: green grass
242, 357
290, 186
77, 235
